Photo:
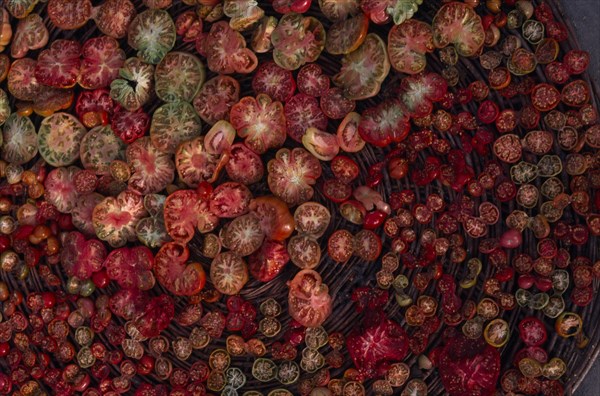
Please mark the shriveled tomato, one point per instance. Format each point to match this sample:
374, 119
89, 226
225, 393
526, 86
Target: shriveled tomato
340, 246
408, 45
226, 51
215, 98
309, 301
387, 122
174, 273
292, 173
228, 273
268, 261
297, 40
301, 112
274, 81
260, 121
364, 69
457, 23
347, 35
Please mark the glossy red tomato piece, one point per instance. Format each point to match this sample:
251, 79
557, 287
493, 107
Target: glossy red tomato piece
340, 246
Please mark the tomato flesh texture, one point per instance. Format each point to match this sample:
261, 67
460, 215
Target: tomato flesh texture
384, 124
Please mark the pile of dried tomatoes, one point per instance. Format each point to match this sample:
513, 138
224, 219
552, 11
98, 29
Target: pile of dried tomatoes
293, 197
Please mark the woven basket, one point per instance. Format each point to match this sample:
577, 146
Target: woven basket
342, 279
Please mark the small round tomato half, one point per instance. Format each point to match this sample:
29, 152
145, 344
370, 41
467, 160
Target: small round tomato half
340, 246
545, 97
532, 331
